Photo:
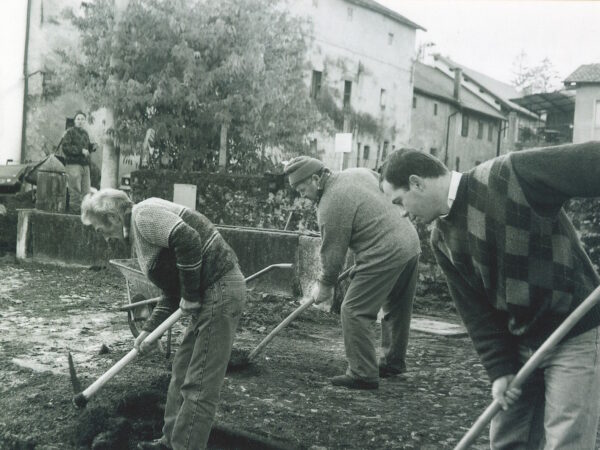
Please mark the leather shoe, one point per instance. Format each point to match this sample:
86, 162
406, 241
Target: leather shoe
353, 383
156, 444
387, 372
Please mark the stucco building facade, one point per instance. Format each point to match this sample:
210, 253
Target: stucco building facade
361, 56
586, 81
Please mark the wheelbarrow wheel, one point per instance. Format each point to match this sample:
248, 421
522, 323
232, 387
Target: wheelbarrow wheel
137, 316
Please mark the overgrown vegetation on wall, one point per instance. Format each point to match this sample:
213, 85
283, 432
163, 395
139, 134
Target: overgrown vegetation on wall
227, 199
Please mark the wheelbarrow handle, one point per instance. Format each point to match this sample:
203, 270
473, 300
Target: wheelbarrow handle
104, 378
531, 364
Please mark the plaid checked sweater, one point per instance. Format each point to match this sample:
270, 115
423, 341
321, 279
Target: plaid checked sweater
180, 251
513, 262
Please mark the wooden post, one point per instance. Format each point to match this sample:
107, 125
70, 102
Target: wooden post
223, 148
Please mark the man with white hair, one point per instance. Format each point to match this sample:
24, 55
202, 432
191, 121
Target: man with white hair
353, 214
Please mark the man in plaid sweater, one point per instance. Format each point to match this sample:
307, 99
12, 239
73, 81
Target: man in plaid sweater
516, 269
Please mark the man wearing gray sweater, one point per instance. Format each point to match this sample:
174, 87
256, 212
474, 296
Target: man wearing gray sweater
353, 214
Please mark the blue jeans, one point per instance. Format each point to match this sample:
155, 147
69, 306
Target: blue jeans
200, 364
560, 403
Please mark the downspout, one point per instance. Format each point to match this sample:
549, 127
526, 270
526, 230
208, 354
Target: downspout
500, 131
25, 84
448, 137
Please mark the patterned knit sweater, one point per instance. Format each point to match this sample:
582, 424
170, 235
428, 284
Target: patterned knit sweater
180, 251
514, 264
353, 214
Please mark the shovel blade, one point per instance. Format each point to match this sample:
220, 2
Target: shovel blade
74, 380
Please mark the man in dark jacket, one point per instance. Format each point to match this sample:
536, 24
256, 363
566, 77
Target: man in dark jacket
76, 147
516, 269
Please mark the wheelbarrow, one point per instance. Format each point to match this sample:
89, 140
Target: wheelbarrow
137, 312
142, 295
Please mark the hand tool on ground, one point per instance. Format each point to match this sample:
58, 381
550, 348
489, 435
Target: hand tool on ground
531, 364
81, 398
239, 361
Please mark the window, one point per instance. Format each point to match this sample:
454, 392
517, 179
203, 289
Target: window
386, 144
479, 129
465, 126
597, 119
433, 151
491, 132
347, 93
435, 109
457, 164
315, 84
366, 150
350, 13
414, 101
382, 99
390, 38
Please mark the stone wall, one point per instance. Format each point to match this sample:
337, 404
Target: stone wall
63, 239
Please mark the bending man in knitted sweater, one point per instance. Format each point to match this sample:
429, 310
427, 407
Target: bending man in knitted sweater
353, 214
516, 269
183, 254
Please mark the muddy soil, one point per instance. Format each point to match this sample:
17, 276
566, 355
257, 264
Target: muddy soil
282, 400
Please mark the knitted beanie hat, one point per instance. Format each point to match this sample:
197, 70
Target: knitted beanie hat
302, 167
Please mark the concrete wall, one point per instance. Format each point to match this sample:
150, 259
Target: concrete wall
586, 123
62, 239
358, 49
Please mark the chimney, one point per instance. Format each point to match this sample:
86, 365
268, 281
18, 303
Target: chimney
457, 83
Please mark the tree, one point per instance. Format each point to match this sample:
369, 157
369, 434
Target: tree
189, 68
533, 79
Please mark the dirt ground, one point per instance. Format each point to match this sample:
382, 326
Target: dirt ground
284, 399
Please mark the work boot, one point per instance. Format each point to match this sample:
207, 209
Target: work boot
386, 371
156, 444
353, 383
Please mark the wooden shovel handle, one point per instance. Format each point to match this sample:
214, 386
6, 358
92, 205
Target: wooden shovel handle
289, 318
531, 364
104, 378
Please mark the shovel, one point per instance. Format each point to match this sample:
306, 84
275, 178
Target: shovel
81, 398
531, 364
241, 361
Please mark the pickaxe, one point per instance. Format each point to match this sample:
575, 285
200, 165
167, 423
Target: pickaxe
81, 398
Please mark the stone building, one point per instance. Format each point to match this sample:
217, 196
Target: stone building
519, 121
360, 64
450, 122
586, 81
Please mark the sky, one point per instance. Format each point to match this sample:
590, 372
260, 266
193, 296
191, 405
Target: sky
488, 35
